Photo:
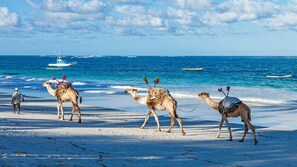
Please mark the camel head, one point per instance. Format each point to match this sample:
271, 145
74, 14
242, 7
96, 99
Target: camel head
46, 84
203, 95
131, 91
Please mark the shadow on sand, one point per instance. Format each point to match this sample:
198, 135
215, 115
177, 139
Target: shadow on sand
23, 145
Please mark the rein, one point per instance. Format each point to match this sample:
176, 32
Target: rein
190, 110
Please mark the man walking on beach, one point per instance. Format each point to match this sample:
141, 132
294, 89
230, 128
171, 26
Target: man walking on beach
16, 99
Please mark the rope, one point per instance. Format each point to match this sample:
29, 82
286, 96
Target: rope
188, 111
199, 101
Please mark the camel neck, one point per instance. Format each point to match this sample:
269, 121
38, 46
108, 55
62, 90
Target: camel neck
139, 99
212, 104
50, 90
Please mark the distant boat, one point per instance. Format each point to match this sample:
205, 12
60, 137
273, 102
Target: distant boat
279, 76
192, 69
61, 63
53, 68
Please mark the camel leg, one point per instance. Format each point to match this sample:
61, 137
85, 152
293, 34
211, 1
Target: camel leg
253, 130
220, 127
78, 112
180, 124
72, 112
62, 111
244, 133
58, 108
146, 119
171, 124
156, 119
229, 127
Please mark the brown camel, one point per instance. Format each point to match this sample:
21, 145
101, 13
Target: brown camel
167, 103
243, 111
70, 95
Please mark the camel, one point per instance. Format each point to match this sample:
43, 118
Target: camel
70, 95
243, 111
168, 103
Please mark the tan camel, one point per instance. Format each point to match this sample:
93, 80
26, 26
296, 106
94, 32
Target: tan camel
70, 95
243, 111
168, 103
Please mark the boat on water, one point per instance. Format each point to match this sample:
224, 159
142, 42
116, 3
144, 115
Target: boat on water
192, 69
279, 76
61, 63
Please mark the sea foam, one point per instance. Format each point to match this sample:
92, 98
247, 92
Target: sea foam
79, 83
100, 92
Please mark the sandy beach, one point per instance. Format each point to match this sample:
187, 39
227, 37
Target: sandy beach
109, 137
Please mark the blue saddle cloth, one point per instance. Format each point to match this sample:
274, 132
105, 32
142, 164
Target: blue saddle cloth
229, 104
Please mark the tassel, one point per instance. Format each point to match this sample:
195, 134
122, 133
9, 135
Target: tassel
156, 81
228, 89
145, 81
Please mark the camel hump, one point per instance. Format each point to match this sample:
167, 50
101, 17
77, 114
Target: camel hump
229, 104
157, 93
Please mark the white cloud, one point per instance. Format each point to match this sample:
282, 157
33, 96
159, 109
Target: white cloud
282, 22
136, 19
69, 15
194, 4
239, 10
153, 17
7, 19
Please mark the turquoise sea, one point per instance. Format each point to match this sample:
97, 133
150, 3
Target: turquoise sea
101, 80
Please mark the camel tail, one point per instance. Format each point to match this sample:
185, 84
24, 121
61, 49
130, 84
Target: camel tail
80, 99
249, 115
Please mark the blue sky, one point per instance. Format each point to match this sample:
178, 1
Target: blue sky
148, 27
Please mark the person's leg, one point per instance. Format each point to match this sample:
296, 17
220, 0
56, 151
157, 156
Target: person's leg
13, 108
19, 107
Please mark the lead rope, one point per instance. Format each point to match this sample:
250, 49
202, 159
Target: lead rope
190, 110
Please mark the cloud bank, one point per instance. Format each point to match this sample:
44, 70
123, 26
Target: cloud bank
150, 17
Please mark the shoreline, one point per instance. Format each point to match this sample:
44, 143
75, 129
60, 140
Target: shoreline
109, 137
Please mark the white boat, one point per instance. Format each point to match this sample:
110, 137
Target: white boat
192, 69
61, 63
279, 76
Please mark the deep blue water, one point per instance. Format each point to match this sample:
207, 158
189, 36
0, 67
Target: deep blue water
111, 74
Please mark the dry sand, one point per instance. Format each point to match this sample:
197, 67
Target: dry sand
108, 137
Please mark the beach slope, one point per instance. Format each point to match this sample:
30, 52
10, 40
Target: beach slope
108, 137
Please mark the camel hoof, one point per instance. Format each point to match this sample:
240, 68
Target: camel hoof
256, 142
70, 119
240, 140
158, 130
168, 131
229, 139
79, 121
183, 133
142, 127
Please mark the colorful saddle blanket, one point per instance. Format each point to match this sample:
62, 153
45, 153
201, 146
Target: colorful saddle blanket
229, 104
156, 94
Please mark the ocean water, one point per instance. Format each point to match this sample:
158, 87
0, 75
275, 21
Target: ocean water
101, 80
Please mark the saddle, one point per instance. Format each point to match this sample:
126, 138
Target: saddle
60, 92
62, 88
156, 95
229, 104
